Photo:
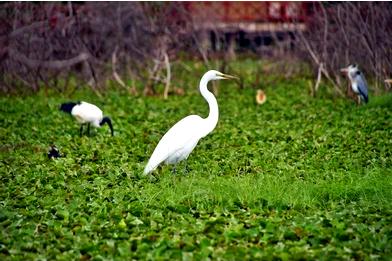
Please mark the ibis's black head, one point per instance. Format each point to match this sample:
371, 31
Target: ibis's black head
68, 106
108, 121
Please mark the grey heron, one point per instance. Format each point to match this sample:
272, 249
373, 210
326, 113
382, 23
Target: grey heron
357, 82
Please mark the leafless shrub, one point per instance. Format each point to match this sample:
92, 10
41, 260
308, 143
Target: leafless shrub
46, 44
52, 44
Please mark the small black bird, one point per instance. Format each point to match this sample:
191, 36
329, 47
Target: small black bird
53, 152
87, 113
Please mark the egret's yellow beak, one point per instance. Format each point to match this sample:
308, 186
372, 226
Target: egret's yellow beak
226, 76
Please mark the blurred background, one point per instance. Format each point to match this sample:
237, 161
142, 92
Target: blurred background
142, 47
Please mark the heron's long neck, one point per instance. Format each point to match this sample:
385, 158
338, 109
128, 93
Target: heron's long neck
213, 116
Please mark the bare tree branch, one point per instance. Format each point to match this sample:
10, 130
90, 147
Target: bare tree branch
168, 75
53, 64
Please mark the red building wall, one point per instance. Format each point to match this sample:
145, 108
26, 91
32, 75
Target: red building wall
232, 12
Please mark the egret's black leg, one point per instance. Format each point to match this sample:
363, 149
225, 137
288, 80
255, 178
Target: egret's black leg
174, 169
88, 129
81, 130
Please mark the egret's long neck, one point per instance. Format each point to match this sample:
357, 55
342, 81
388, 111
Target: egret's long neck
213, 116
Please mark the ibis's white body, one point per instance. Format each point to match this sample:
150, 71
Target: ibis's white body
87, 113
182, 138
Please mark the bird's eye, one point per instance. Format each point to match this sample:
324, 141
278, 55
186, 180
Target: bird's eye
358, 72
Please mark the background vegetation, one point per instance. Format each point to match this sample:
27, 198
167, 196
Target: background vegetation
295, 178
49, 45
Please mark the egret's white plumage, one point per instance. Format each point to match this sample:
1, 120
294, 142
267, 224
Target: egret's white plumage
357, 82
86, 113
182, 138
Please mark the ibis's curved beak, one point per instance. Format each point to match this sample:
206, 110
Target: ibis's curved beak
226, 76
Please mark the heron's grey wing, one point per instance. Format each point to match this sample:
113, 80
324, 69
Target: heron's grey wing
362, 87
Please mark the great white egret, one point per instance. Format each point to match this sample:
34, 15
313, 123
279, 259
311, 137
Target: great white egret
357, 82
87, 113
182, 138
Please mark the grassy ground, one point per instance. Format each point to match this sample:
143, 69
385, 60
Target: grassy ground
295, 178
